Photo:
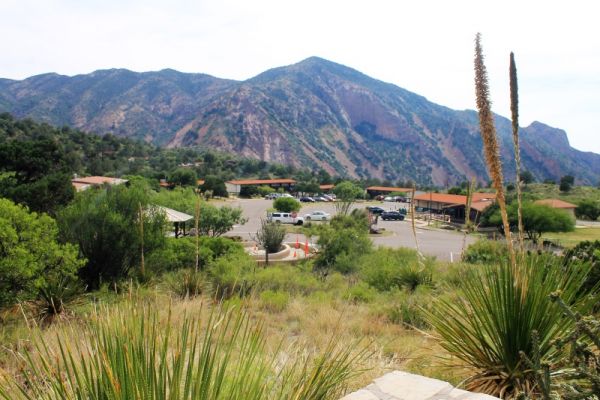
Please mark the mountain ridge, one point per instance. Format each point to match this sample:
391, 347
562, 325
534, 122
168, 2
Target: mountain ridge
315, 113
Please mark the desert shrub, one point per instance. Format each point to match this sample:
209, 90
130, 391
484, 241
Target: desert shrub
286, 278
588, 209
361, 293
387, 269
231, 275
341, 244
454, 273
274, 301
186, 282
407, 308
495, 317
486, 252
286, 204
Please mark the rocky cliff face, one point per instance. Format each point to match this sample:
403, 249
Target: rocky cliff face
314, 114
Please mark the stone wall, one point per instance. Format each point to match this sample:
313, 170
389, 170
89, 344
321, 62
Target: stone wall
399, 385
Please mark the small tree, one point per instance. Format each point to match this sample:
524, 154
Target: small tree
286, 204
588, 209
527, 177
270, 236
346, 193
215, 185
183, 177
566, 183
218, 221
537, 219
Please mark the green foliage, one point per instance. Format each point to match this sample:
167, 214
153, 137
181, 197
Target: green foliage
186, 282
407, 308
183, 177
215, 185
105, 223
361, 293
274, 301
566, 183
495, 315
286, 204
527, 177
231, 275
537, 219
265, 190
248, 191
308, 187
32, 262
456, 190
133, 354
346, 193
486, 252
216, 221
289, 279
588, 254
387, 269
341, 243
588, 209
182, 199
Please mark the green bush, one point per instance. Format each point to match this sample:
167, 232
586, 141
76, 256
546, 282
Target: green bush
387, 269
486, 252
586, 253
286, 278
32, 262
361, 293
588, 209
265, 190
186, 283
274, 301
231, 275
407, 309
286, 204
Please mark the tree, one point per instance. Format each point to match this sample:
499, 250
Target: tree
218, 221
527, 177
456, 190
566, 183
105, 224
346, 193
588, 209
183, 177
31, 259
286, 204
270, 237
216, 185
307, 187
537, 219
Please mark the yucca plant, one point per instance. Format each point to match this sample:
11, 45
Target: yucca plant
496, 316
131, 353
514, 111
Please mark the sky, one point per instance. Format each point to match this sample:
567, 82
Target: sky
425, 46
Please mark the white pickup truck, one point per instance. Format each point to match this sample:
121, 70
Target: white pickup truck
285, 218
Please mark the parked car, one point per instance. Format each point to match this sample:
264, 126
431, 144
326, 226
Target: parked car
392, 215
318, 216
375, 210
272, 196
307, 199
285, 218
321, 198
328, 197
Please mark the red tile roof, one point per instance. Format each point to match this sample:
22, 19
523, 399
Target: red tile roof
556, 203
261, 181
326, 187
389, 189
479, 201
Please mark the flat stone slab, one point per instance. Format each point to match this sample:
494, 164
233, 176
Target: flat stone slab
398, 385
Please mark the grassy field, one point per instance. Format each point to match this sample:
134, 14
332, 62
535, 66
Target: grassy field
537, 191
570, 239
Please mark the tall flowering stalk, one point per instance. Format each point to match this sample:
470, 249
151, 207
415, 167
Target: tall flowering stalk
490, 142
514, 109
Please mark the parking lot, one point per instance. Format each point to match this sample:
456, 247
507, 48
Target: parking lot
445, 245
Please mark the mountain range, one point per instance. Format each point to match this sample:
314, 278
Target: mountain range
315, 114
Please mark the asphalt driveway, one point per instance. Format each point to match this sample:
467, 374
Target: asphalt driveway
443, 244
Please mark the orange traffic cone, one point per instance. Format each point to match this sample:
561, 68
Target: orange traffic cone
306, 249
295, 254
297, 242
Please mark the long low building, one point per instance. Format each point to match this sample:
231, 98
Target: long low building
386, 190
235, 187
454, 205
87, 182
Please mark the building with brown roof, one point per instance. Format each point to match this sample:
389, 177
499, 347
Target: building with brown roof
385, 190
559, 204
454, 205
87, 182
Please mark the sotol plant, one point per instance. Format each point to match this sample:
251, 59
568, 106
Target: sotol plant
130, 353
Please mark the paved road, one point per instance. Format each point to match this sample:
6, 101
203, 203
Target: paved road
445, 245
